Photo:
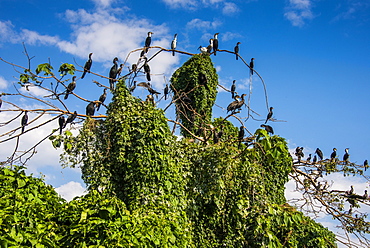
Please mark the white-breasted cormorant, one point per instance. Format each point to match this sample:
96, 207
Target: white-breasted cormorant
113, 73
236, 50
233, 88
174, 44
148, 40
90, 108
319, 153
71, 86
62, 122
215, 43
269, 115
24, 121
333, 155
87, 66
102, 99
346, 155
268, 128
70, 118
251, 66
166, 91
203, 50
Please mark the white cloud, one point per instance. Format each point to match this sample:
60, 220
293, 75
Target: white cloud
70, 190
3, 83
203, 25
230, 8
230, 36
103, 3
186, 4
299, 11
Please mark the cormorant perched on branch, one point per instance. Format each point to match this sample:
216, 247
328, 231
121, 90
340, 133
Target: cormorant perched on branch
1, 102
71, 86
150, 89
24, 121
233, 88
210, 46
314, 159
241, 134
236, 104
299, 153
333, 155
319, 153
113, 73
269, 115
147, 69
119, 70
173, 44
215, 43
102, 99
268, 128
90, 108
346, 155
166, 91
87, 66
366, 164
62, 122
251, 65
203, 50
134, 67
70, 118
148, 40
309, 158
236, 50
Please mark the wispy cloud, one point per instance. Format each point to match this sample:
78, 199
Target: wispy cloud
230, 8
70, 190
352, 10
203, 25
230, 36
298, 12
3, 83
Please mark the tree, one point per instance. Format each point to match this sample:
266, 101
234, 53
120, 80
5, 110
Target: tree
220, 188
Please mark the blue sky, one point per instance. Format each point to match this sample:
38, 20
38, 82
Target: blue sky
312, 54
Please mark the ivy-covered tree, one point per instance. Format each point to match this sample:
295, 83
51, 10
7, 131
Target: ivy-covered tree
213, 187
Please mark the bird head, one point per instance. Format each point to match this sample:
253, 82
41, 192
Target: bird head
90, 54
115, 60
73, 78
238, 43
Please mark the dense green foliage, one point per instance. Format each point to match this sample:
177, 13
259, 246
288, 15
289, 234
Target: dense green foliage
148, 189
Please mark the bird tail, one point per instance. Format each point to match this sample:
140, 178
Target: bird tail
215, 52
173, 52
97, 108
148, 77
111, 83
236, 56
66, 96
22, 129
232, 94
83, 74
60, 129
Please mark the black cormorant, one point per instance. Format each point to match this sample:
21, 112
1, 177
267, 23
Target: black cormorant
314, 160
70, 118
150, 89
165, 91
90, 108
202, 80
134, 67
233, 88
236, 50
365, 196
268, 128
144, 51
71, 86
346, 155
309, 158
148, 40
62, 122
299, 153
87, 66
173, 44
119, 70
251, 66
215, 43
366, 164
235, 105
147, 69
351, 191
210, 46
102, 99
24, 121
333, 155
319, 153
269, 115
113, 73
241, 133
